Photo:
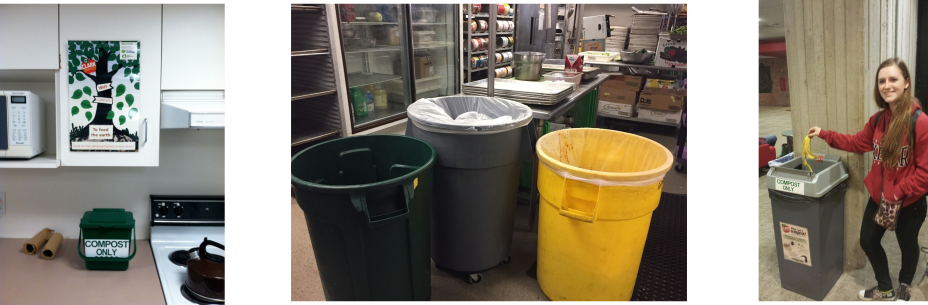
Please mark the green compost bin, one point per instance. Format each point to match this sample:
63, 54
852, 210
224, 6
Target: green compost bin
366, 202
105, 239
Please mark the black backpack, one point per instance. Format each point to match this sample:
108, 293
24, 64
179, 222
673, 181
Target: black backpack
914, 120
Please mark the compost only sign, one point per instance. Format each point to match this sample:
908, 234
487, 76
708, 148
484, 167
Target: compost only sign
794, 187
106, 248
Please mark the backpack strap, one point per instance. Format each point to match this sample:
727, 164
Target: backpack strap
878, 115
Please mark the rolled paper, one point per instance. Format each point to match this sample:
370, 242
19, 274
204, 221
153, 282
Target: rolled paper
37, 241
51, 248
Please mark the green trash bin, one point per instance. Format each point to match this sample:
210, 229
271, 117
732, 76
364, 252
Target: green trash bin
105, 237
366, 202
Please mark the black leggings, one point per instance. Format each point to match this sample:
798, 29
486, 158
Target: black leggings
910, 221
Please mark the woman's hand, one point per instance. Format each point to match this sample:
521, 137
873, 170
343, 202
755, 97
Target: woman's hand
814, 131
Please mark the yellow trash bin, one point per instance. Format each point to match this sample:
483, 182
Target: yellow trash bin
598, 188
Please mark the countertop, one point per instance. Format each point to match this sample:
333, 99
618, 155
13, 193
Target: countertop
29, 279
547, 112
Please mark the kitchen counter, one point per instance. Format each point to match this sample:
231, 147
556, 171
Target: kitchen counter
547, 112
29, 279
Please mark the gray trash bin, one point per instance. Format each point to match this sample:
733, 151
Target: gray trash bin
476, 177
808, 220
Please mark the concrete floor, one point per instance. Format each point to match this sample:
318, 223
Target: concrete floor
774, 120
503, 283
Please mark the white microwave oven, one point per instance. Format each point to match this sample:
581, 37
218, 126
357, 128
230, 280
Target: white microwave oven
22, 128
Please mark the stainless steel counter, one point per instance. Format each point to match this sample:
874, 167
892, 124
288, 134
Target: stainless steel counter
547, 112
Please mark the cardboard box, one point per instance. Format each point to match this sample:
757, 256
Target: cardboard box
671, 51
617, 109
594, 45
659, 83
424, 67
660, 115
677, 92
624, 82
614, 95
660, 101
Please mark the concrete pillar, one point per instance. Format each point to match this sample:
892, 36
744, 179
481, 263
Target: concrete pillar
833, 48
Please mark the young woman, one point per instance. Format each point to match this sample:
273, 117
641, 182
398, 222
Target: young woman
902, 179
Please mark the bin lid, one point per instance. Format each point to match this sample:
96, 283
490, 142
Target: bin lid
792, 177
468, 114
108, 218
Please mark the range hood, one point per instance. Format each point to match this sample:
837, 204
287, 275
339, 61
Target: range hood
193, 109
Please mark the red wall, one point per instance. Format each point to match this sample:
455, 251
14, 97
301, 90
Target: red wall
780, 93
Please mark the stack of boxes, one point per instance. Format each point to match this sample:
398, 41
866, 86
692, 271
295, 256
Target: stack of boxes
618, 95
659, 101
637, 97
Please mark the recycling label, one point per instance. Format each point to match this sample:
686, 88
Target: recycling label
795, 242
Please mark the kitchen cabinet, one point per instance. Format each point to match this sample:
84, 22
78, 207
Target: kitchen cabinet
194, 47
28, 36
141, 23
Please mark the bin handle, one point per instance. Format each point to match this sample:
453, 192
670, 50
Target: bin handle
359, 200
105, 259
578, 214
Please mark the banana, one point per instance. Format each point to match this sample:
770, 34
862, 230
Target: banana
807, 153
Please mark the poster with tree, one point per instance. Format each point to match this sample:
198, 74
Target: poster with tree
103, 78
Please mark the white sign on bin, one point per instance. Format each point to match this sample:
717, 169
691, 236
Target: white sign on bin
790, 186
113, 248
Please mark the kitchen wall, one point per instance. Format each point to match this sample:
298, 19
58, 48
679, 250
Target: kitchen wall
779, 75
191, 163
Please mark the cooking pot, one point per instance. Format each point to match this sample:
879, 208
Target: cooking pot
206, 273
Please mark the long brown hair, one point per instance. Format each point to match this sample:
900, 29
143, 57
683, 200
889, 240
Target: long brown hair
901, 123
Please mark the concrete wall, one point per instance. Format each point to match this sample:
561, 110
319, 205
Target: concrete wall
778, 73
834, 48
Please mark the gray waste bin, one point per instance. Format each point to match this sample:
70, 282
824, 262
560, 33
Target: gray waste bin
808, 220
476, 177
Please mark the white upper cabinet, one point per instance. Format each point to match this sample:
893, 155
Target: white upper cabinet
107, 95
28, 36
194, 43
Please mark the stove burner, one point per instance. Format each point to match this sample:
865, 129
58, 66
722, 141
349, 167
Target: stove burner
197, 299
180, 257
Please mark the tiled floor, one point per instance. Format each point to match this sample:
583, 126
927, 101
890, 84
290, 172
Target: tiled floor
774, 120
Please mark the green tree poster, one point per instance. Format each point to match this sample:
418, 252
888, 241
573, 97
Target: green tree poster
103, 78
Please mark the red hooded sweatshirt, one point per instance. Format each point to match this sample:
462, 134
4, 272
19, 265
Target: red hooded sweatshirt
908, 181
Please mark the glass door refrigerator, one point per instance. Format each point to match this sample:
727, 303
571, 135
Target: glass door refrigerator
395, 54
376, 60
436, 49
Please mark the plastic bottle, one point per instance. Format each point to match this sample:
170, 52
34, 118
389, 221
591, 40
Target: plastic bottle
369, 98
358, 102
380, 97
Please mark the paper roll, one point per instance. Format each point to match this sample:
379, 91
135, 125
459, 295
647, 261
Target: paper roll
51, 248
37, 241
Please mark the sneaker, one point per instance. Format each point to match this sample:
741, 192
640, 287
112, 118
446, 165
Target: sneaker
874, 294
905, 292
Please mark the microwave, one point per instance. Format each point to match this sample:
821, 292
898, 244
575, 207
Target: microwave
22, 128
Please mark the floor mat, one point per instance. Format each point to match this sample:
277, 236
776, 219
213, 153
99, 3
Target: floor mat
662, 273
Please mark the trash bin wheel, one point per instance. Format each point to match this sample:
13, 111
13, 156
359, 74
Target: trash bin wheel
475, 278
680, 168
508, 259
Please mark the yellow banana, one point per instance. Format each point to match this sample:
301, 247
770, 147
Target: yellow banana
807, 152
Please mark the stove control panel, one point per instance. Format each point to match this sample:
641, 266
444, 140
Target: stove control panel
187, 210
